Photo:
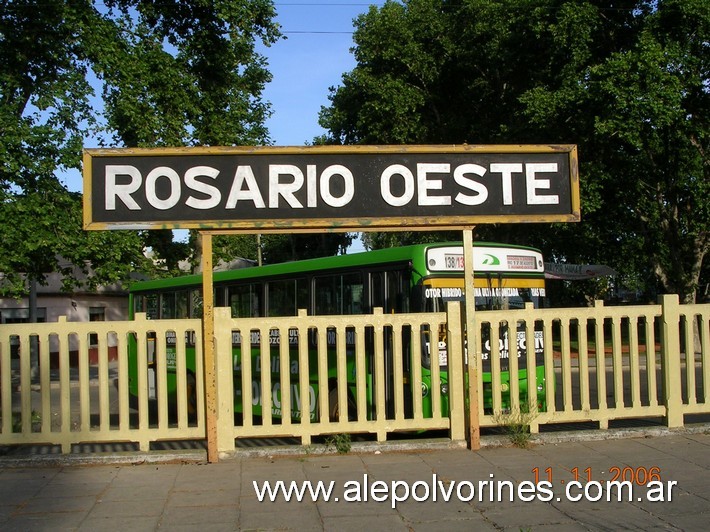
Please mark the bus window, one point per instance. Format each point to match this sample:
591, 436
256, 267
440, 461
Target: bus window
245, 300
151, 306
195, 303
181, 304
167, 305
286, 296
390, 290
138, 302
339, 294
400, 290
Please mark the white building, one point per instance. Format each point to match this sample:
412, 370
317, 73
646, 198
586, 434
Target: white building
106, 303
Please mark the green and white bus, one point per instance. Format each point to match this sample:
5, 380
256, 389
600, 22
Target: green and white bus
418, 278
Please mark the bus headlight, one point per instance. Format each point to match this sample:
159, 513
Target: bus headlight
444, 389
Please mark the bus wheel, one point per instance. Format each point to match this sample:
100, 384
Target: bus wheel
191, 387
334, 407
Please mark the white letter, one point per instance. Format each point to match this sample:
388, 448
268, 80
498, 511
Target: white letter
352, 491
311, 185
150, 181
122, 191
588, 491
532, 184
386, 189
244, 175
347, 176
471, 491
198, 186
545, 492
568, 488
442, 489
507, 169
275, 392
395, 496
424, 185
466, 182
379, 491
526, 491
417, 497
286, 190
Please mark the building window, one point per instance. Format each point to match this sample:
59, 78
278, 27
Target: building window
22, 315
97, 314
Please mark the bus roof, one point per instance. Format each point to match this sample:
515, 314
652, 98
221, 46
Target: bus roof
380, 256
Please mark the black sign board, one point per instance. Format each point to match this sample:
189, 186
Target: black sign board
335, 188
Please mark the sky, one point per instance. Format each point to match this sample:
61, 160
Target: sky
312, 58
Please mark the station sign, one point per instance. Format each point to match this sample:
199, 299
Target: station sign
336, 188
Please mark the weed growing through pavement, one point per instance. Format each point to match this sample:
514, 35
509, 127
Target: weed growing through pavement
517, 424
341, 442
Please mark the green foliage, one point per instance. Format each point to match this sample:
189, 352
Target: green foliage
625, 81
517, 424
342, 443
271, 248
288, 247
44, 234
35, 419
171, 74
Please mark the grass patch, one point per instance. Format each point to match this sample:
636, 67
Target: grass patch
342, 443
517, 425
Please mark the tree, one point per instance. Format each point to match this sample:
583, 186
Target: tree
647, 105
54, 241
288, 247
625, 81
172, 74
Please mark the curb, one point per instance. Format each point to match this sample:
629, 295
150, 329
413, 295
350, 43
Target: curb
200, 455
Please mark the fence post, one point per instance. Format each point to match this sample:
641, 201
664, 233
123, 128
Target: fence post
670, 359
224, 379
454, 338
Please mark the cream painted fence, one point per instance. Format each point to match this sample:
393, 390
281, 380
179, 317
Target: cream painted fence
354, 339
604, 363
61, 399
601, 364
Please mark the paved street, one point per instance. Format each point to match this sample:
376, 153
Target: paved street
189, 494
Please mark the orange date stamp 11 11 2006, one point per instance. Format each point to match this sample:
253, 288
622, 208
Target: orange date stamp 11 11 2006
640, 476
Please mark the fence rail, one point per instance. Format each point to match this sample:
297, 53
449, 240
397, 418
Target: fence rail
605, 363
66, 383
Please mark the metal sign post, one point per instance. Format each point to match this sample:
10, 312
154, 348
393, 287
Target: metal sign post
471, 351
208, 343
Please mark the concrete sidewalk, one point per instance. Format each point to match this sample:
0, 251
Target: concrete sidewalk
194, 495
